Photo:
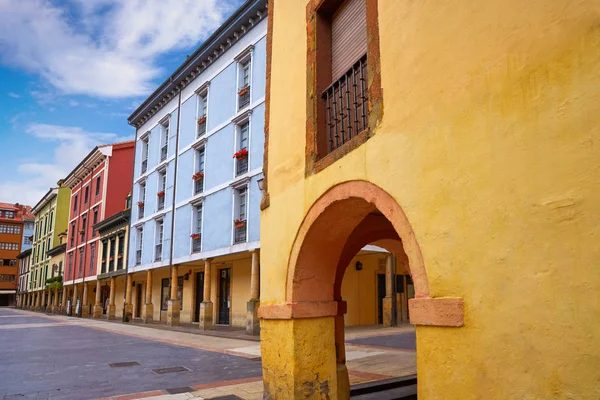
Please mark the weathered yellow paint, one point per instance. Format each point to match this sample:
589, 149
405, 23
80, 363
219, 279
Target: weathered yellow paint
299, 356
490, 144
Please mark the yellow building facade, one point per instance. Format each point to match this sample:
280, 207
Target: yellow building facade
477, 162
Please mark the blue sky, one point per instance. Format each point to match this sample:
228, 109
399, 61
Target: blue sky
72, 71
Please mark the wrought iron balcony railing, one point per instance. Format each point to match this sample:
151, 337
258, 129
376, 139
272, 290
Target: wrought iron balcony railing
346, 105
201, 128
198, 186
241, 166
196, 244
244, 97
158, 252
240, 233
163, 153
161, 202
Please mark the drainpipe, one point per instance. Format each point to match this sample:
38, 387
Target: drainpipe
174, 193
126, 256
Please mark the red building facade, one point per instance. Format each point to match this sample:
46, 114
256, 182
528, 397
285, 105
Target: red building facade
99, 186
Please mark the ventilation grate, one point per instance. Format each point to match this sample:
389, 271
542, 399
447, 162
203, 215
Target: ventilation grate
124, 364
185, 389
169, 370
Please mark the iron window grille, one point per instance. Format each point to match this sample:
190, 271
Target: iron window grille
202, 125
244, 97
240, 233
138, 257
140, 212
158, 252
163, 152
346, 105
161, 202
241, 166
196, 244
198, 186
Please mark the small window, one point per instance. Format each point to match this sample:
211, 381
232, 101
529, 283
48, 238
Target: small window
164, 149
202, 111
139, 244
240, 215
162, 187
92, 258
95, 215
75, 200
142, 199
98, 186
145, 149
158, 240
197, 230
241, 156
198, 176
244, 83
86, 195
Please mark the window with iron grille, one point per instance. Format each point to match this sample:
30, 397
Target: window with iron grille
142, 200
199, 176
92, 258
197, 230
240, 222
202, 113
81, 262
164, 150
162, 187
139, 243
145, 148
242, 155
158, 241
244, 83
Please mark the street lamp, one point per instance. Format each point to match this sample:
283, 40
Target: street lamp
260, 184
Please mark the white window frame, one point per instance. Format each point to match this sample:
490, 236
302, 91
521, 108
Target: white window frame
159, 236
194, 224
165, 125
139, 242
245, 57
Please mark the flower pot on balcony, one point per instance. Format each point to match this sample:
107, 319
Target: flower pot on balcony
198, 176
140, 204
195, 236
161, 193
244, 90
201, 120
238, 223
240, 155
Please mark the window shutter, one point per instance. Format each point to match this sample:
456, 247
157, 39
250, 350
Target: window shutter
348, 36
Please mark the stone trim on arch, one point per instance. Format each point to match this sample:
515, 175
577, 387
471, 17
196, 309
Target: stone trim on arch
423, 309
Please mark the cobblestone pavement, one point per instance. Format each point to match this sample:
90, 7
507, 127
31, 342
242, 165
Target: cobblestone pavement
68, 358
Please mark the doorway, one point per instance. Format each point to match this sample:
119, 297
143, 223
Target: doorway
104, 296
199, 294
380, 296
224, 293
138, 301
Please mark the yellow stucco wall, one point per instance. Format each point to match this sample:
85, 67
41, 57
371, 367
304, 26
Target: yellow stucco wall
489, 143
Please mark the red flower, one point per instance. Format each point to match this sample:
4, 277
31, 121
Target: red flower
195, 236
198, 176
140, 204
161, 193
240, 155
238, 223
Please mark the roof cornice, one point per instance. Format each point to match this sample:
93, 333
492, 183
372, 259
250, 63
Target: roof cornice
230, 32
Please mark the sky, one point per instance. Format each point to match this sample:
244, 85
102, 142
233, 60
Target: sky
72, 71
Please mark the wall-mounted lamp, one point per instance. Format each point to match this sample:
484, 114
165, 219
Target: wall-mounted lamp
359, 266
260, 184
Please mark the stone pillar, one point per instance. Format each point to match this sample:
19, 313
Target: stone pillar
38, 300
110, 312
252, 321
343, 380
55, 301
97, 313
85, 306
174, 305
148, 309
128, 308
388, 300
310, 343
63, 301
206, 307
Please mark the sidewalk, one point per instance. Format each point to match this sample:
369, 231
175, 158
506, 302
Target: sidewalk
372, 353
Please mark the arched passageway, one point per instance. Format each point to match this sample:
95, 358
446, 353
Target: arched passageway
340, 223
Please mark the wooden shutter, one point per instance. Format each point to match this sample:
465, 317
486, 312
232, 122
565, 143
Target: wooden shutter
348, 36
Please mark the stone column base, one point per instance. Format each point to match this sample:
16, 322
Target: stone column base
110, 311
173, 310
387, 311
128, 312
97, 312
252, 321
85, 310
148, 313
206, 315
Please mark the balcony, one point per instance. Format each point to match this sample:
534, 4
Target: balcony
241, 166
161, 202
144, 166
243, 97
158, 252
163, 153
239, 235
196, 244
201, 126
138, 257
140, 211
346, 105
198, 186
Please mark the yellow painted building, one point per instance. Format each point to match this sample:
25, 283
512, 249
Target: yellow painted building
477, 159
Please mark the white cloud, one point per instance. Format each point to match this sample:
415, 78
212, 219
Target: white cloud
66, 147
103, 48
14, 95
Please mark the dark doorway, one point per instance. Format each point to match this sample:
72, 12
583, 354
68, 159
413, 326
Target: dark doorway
199, 294
138, 304
380, 296
104, 295
224, 291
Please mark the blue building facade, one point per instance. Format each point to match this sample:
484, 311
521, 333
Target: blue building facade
198, 168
